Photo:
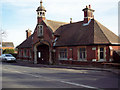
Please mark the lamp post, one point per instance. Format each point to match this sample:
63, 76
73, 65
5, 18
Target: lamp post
1, 42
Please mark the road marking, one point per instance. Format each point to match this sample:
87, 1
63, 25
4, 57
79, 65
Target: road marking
70, 70
35, 75
76, 84
23, 73
71, 83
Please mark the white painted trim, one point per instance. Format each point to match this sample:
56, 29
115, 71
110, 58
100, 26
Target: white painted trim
99, 60
79, 54
94, 60
82, 60
70, 59
63, 59
110, 47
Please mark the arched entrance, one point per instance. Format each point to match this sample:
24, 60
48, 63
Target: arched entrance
43, 54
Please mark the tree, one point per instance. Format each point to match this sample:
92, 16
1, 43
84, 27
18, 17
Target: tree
8, 51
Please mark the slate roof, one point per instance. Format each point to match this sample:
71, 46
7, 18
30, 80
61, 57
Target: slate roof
78, 34
54, 25
7, 44
26, 43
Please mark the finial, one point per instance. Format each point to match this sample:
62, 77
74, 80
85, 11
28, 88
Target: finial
70, 20
41, 3
90, 6
86, 6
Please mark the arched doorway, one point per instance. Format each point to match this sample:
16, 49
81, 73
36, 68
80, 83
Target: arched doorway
43, 54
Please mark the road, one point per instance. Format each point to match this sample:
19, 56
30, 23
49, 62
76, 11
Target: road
16, 76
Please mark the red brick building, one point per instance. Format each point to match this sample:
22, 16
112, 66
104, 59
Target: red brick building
68, 43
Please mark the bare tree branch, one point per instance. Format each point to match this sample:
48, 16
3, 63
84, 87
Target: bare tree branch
3, 34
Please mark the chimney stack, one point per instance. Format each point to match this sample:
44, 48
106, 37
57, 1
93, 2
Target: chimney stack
88, 13
90, 6
28, 33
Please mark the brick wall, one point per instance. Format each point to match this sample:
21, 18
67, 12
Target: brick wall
91, 51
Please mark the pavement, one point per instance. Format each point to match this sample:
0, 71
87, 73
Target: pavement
115, 70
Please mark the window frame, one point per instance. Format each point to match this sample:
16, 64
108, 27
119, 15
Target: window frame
40, 30
25, 52
64, 52
30, 53
83, 52
104, 53
20, 53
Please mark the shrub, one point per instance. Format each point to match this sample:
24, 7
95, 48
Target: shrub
8, 51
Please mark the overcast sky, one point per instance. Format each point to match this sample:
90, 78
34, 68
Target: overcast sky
16, 16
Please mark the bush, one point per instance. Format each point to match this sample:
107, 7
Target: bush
8, 51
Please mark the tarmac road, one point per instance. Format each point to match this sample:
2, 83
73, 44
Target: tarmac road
17, 76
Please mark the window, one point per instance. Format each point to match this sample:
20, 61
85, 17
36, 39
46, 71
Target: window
20, 53
101, 53
40, 30
30, 53
82, 53
25, 53
63, 53
40, 13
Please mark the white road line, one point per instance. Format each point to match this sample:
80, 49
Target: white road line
23, 73
71, 83
76, 84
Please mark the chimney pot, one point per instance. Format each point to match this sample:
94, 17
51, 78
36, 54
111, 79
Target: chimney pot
89, 6
70, 20
28, 33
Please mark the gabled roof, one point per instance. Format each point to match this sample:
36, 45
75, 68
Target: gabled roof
27, 43
7, 44
54, 25
80, 34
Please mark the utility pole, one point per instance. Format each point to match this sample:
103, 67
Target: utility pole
1, 40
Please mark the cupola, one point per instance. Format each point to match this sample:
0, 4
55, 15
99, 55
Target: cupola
41, 12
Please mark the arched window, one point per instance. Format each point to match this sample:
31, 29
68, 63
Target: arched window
40, 30
40, 13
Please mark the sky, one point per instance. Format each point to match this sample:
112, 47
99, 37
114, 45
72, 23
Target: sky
16, 16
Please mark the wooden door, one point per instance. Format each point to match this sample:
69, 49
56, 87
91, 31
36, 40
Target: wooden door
43, 54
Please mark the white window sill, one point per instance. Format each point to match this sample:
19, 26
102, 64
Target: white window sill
63, 59
101, 60
84, 60
26, 56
